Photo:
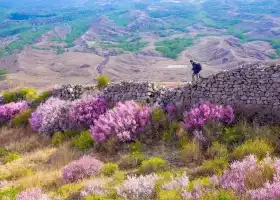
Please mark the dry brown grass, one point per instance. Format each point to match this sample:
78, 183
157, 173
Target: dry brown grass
21, 139
47, 180
63, 155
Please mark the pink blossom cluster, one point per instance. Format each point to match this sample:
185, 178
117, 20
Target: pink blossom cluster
195, 193
93, 188
9, 111
50, 116
270, 191
196, 118
178, 183
32, 194
84, 112
123, 122
86, 166
234, 178
142, 187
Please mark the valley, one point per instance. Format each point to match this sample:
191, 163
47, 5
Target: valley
46, 44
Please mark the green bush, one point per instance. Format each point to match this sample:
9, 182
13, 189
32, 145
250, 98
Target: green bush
135, 146
83, 141
11, 157
3, 152
22, 119
20, 94
118, 178
217, 150
172, 48
42, 97
102, 81
213, 130
69, 191
219, 195
154, 164
60, 137
191, 152
110, 169
168, 195
258, 147
97, 197
233, 136
215, 166
158, 115
10, 193
132, 160
169, 134
3, 71
204, 182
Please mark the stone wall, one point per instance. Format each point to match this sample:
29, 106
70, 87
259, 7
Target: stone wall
249, 86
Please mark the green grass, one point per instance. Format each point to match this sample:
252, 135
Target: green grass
78, 27
59, 51
2, 52
9, 193
26, 37
3, 72
126, 46
119, 19
14, 29
40, 48
4, 13
172, 48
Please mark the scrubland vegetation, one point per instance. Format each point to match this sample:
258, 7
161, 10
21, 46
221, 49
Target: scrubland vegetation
172, 48
90, 149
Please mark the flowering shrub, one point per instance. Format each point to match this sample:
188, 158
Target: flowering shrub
196, 189
234, 178
84, 167
257, 180
9, 111
206, 112
177, 183
270, 191
142, 187
50, 117
84, 112
32, 194
123, 122
93, 188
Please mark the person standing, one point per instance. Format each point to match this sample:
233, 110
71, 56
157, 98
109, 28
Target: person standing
196, 68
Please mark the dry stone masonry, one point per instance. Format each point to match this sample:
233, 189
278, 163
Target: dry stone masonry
249, 86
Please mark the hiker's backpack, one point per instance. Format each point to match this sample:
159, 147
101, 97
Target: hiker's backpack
199, 68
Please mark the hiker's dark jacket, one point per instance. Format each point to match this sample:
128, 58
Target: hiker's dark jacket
196, 67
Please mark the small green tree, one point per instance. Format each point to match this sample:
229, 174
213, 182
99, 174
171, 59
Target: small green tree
102, 81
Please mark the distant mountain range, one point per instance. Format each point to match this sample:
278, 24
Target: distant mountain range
132, 39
